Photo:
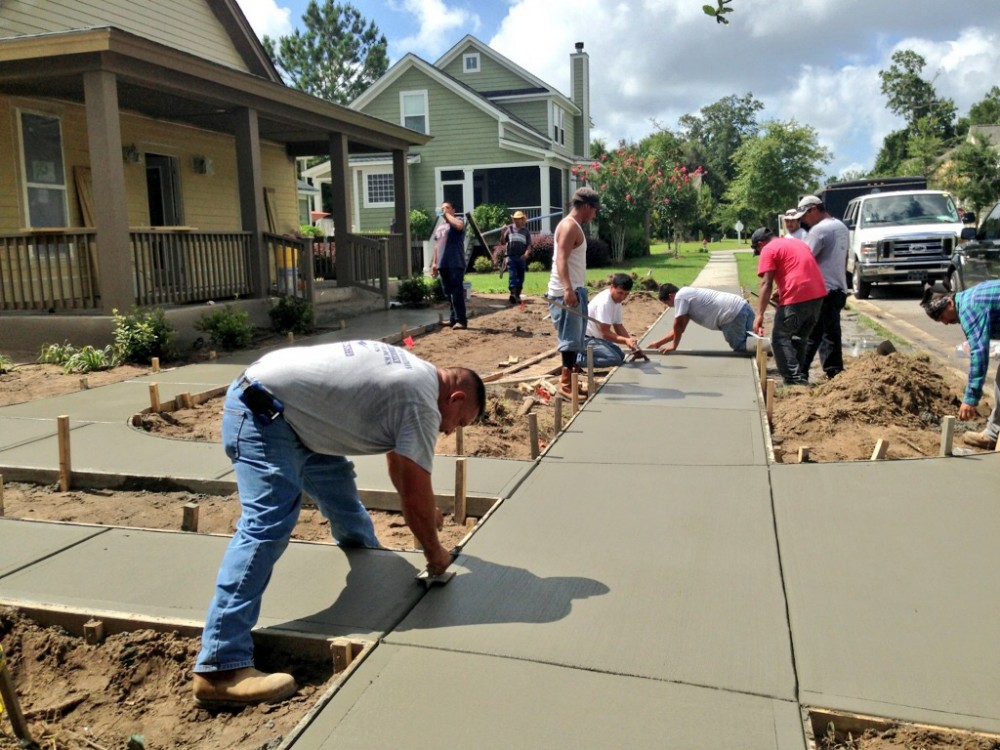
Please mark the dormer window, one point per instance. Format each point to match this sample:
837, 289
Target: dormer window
470, 62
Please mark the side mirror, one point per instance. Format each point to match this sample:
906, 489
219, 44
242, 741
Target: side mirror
968, 233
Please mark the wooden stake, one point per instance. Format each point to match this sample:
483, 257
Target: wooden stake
84, 383
533, 434
190, 520
574, 388
154, 398
212, 354
402, 330
881, 448
154, 364
761, 361
416, 543
459, 441
2, 511
291, 337
343, 324
803, 455
459, 514
343, 654
93, 632
769, 400
557, 420
947, 435
186, 401
590, 370
11, 706
65, 466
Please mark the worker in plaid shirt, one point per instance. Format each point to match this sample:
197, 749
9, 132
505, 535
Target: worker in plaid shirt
978, 311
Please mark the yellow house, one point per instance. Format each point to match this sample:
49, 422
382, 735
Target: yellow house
147, 158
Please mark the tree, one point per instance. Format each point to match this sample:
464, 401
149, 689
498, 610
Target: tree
974, 174
773, 169
987, 110
717, 132
909, 95
336, 58
923, 150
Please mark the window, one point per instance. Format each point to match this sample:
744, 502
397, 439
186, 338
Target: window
470, 62
379, 189
558, 125
413, 111
44, 174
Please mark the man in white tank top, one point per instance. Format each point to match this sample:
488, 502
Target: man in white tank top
568, 281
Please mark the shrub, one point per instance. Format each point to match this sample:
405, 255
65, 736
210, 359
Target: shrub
482, 264
421, 223
413, 291
290, 313
308, 230
598, 253
227, 328
56, 354
437, 290
89, 359
142, 335
541, 250
490, 216
536, 266
6, 364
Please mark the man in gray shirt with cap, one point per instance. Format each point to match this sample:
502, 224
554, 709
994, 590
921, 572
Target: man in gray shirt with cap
828, 239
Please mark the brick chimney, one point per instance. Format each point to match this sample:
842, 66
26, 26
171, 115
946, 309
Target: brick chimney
580, 94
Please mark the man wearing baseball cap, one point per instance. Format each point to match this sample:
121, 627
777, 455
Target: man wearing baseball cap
517, 239
828, 239
787, 263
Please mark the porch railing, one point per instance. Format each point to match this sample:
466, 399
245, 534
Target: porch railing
51, 270
290, 265
369, 261
173, 267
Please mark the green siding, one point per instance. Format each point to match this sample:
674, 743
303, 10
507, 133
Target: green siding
535, 113
491, 77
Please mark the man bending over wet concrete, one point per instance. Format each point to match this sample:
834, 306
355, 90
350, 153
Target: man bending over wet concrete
718, 311
289, 421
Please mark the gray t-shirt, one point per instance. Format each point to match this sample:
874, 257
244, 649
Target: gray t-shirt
356, 398
829, 240
707, 307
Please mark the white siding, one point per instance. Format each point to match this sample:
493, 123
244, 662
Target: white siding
187, 25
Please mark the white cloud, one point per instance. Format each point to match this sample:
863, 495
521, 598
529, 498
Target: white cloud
816, 61
438, 26
266, 17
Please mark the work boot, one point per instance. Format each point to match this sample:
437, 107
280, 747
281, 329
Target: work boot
980, 440
241, 687
566, 386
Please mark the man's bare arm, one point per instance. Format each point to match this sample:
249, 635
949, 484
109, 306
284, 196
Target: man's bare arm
413, 483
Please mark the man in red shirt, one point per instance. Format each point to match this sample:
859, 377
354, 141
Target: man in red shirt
789, 264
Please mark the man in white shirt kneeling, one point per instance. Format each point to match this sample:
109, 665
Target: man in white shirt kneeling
605, 331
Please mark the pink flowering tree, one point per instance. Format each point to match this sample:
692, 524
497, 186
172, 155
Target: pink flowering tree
634, 187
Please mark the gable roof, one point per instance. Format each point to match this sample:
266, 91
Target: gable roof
410, 61
535, 84
244, 38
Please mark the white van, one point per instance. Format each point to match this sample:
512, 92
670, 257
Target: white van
900, 236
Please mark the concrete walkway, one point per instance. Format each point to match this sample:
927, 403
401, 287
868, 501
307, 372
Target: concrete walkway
652, 581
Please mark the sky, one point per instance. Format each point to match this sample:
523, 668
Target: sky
652, 61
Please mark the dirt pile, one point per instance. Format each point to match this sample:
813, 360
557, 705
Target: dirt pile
133, 690
897, 397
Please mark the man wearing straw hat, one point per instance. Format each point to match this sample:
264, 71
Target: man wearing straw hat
516, 238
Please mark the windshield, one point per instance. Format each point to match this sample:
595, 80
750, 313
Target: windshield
932, 208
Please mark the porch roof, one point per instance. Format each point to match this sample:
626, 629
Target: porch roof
167, 84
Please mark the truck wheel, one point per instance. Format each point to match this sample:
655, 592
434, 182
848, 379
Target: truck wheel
862, 288
954, 282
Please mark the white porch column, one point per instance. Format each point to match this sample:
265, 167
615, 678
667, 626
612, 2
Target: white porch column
545, 190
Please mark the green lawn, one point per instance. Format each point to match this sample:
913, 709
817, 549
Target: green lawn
747, 264
660, 265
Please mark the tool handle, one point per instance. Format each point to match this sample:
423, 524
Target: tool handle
10, 704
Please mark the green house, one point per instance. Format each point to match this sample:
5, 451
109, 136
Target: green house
499, 134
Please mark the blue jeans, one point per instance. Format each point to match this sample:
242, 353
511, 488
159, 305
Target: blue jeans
571, 329
790, 340
453, 283
736, 330
606, 353
272, 468
515, 271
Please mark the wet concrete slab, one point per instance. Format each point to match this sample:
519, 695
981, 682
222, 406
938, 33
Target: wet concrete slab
23, 543
642, 571
22, 431
892, 592
109, 403
662, 386
419, 698
654, 435
315, 588
118, 449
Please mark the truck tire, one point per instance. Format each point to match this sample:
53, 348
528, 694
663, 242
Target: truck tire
954, 281
862, 289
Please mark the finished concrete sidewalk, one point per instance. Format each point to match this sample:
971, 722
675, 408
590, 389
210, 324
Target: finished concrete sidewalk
652, 581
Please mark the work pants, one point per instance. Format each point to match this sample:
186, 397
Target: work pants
825, 337
606, 353
792, 326
453, 284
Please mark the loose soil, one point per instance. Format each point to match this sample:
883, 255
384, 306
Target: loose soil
83, 696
